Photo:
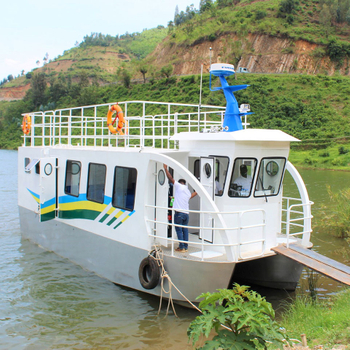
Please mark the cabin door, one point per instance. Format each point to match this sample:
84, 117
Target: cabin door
48, 188
161, 210
207, 176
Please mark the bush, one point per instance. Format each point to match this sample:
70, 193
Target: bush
260, 14
246, 319
343, 150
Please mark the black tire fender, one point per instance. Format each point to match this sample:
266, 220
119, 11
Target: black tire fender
149, 273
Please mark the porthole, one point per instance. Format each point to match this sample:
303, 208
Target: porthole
161, 177
207, 169
272, 168
75, 168
48, 169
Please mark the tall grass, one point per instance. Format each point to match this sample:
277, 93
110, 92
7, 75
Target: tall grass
326, 322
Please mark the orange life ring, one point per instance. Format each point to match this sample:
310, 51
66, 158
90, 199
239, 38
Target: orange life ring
119, 116
26, 124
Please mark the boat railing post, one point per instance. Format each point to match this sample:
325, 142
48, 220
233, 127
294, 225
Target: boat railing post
95, 124
42, 128
70, 128
32, 136
239, 233
202, 247
175, 122
288, 225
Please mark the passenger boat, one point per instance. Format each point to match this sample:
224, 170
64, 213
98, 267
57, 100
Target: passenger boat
98, 195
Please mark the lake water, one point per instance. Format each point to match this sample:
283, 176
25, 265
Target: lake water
47, 302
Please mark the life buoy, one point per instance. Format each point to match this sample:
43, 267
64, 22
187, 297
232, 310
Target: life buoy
149, 273
26, 124
119, 116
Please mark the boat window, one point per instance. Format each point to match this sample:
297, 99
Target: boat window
269, 177
72, 178
124, 188
221, 165
96, 183
196, 171
29, 165
242, 177
37, 168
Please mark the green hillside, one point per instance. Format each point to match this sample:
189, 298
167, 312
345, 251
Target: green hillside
104, 68
314, 109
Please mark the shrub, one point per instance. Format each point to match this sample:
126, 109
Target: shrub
260, 14
343, 150
246, 318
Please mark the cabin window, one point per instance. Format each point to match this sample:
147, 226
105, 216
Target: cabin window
26, 162
73, 169
96, 183
196, 170
242, 177
270, 176
30, 164
124, 188
221, 165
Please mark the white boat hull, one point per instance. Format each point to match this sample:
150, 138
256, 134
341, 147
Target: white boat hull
119, 262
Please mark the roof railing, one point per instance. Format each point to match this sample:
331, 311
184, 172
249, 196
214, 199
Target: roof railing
148, 124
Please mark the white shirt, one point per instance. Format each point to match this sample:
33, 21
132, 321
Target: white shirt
245, 182
181, 197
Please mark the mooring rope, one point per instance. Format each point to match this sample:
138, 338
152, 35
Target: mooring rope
157, 254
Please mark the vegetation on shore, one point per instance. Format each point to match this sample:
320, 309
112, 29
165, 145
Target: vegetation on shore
240, 318
324, 322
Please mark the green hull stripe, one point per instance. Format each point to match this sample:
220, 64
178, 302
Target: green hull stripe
47, 216
118, 224
79, 214
104, 217
111, 221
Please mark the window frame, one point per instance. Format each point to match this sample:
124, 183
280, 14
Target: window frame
281, 177
65, 180
114, 183
88, 183
253, 177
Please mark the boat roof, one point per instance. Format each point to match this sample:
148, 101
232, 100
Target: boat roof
240, 135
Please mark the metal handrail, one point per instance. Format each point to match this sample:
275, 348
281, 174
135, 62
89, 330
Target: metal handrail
239, 243
89, 127
293, 222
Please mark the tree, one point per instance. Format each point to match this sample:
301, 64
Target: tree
167, 70
143, 69
205, 5
326, 18
10, 77
38, 87
286, 7
126, 78
176, 12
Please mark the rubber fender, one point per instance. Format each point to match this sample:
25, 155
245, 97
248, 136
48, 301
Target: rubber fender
149, 273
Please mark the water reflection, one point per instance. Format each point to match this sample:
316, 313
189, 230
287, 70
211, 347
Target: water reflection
323, 242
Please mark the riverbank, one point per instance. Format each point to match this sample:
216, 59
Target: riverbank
325, 322
335, 156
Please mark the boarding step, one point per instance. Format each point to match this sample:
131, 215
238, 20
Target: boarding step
316, 261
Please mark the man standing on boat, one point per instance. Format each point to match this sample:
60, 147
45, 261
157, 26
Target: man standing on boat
181, 198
